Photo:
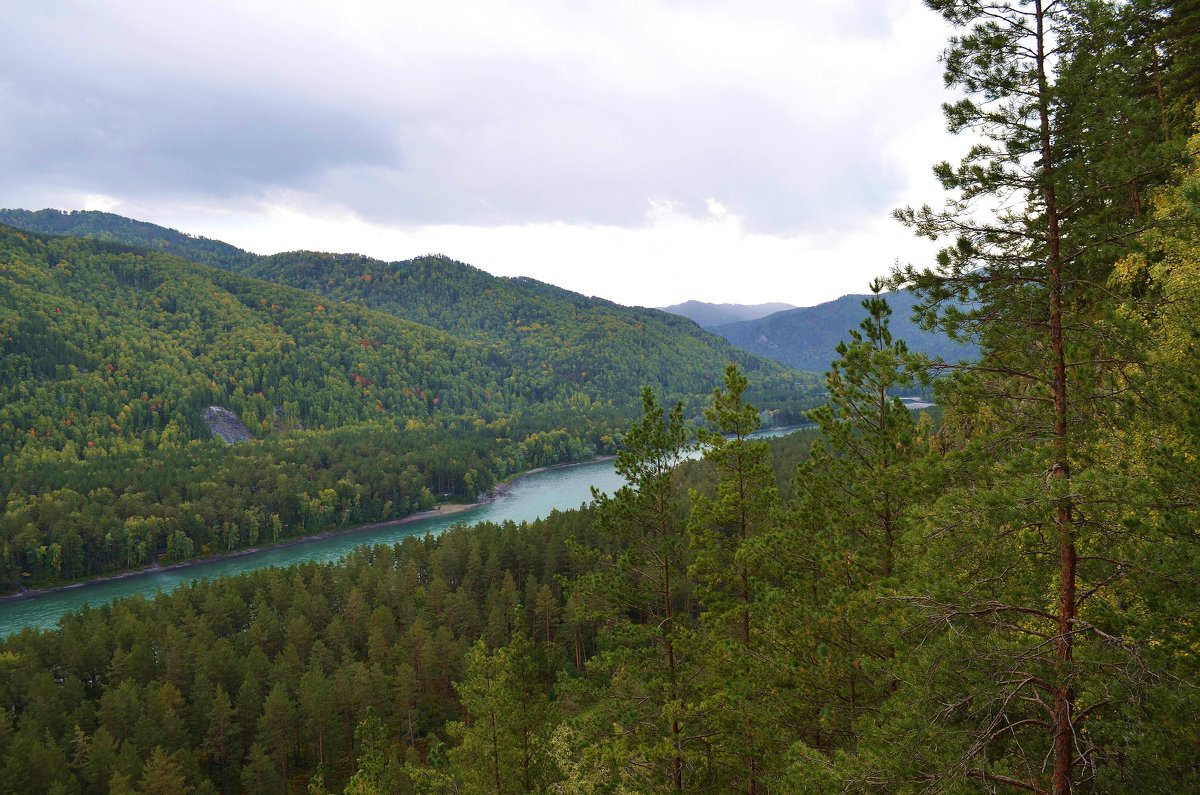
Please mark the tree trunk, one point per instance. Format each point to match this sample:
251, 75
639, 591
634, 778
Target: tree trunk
668, 611
1061, 726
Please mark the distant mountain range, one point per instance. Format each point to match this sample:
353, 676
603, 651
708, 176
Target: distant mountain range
709, 316
535, 326
807, 338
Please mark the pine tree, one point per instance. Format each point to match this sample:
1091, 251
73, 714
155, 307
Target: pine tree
1017, 544
839, 553
276, 729
162, 775
1175, 34
504, 740
728, 582
377, 772
219, 736
641, 578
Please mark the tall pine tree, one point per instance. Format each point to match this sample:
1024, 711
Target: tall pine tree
729, 582
1016, 549
643, 673
840, 550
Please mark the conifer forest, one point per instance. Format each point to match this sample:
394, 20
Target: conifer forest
997, 593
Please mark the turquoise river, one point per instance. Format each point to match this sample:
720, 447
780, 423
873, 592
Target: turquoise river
529, 497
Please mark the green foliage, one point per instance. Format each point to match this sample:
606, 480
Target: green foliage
1003, 602
559, 339
555, 342
377, 772
110, 228
730, 582
1028, 536
504, 742
113, 354
347, 669
645, 665
841, 553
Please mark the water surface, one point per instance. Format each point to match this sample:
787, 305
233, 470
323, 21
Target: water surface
531, 496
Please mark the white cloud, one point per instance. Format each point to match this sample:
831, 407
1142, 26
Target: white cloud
672, 257
101, 203
643, 151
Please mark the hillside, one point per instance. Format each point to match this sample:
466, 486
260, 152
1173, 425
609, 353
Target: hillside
89, 326
560, 342
600, 347
806, 338
118, 229
708, 315
113, 355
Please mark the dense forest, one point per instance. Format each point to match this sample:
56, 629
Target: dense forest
112, 355
111, 228
1001, 598
556, 339
386, 637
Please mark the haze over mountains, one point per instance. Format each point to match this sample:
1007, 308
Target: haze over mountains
709, 315
807, 337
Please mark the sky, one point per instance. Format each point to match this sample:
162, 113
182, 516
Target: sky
644, 151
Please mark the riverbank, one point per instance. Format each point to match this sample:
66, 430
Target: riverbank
444, 509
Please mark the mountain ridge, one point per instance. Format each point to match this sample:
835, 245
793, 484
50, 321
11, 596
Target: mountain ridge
538, 326
708, 315
807, 337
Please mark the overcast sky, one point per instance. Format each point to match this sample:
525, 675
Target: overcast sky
645, 151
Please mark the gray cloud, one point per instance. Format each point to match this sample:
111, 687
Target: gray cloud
538, 116
186, 139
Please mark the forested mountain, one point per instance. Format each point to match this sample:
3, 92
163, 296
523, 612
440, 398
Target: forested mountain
1003, 600
807, 338
112, 354
548, 332
554, 336
708, 315
113, 228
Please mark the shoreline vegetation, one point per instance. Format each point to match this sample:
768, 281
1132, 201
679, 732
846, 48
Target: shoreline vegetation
442, 509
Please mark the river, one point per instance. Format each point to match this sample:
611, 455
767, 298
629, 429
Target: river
529, 497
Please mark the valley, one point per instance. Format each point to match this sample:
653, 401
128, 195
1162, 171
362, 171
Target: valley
313, 521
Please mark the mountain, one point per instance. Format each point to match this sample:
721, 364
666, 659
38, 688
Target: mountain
807, 338
710, 315
116, 359
600, 347
90, 328
558, 340
118, 229
113, 355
